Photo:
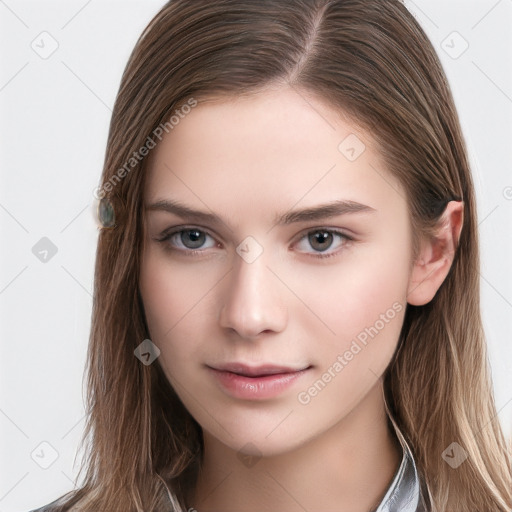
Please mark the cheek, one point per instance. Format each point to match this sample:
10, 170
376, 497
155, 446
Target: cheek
364, 303
170, 292
359, 302
175, 298
161, 303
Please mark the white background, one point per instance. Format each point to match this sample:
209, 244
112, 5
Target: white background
54, 121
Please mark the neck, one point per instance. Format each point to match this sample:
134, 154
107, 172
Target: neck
347, 468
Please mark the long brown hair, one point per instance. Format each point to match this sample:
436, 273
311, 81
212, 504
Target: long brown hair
371, 60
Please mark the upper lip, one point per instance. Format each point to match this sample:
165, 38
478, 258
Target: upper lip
257, 371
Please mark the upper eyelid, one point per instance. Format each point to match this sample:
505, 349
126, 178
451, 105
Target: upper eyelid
178, 229
339, 231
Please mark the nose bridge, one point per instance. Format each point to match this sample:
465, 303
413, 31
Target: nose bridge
252, 300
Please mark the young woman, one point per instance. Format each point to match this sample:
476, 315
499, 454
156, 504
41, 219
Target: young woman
286, 312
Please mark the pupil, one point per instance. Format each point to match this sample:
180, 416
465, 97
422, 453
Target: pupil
195, 236
322, 237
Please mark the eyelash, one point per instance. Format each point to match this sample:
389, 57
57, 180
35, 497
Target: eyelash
198, 252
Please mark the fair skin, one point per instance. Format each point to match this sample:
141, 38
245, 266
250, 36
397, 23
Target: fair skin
249, 161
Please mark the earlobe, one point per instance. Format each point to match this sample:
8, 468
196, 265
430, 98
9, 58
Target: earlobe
436, 256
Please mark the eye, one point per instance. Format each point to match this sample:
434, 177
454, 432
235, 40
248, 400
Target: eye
187, 240
191, 241
322, 239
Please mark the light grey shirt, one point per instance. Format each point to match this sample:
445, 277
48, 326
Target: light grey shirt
404, 494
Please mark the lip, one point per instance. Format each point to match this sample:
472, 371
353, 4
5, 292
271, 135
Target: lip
256, 382
257, 371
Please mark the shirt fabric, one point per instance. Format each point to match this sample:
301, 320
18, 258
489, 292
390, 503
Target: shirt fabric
404, 494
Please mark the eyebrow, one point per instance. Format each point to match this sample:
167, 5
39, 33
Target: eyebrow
322, 211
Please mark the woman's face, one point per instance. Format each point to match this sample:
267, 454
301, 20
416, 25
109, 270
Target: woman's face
260, 277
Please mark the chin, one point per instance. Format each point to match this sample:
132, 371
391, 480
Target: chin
261, 440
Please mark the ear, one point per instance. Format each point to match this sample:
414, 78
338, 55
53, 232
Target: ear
436, 256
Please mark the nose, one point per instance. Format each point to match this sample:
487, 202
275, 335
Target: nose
252, 301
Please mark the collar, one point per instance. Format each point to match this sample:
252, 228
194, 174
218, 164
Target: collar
404, 493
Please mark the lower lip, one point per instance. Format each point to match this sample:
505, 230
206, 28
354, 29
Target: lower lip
256, 388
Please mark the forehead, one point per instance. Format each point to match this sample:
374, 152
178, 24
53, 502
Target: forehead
275, 148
